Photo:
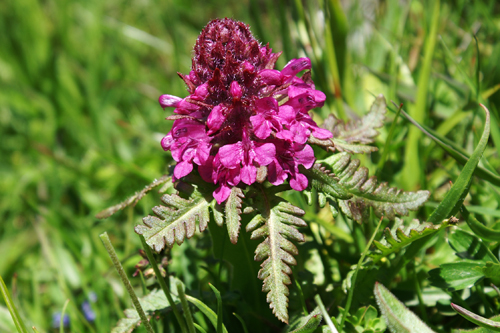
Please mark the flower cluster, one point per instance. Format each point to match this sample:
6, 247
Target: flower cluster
241, 114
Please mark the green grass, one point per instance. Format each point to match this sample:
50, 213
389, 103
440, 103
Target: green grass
80, 128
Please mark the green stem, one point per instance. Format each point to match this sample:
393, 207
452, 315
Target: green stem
123, 276
325, 314
385, 150
185, 307
355, 275
163, 284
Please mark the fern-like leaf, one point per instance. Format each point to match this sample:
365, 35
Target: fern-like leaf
277, 223
352, 137
175, 221
367, 192
363, 130
400, 236
325, 181
134, 199
233, 212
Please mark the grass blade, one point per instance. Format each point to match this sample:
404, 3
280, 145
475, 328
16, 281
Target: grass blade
211, 315
12, 308
63, 312
455, 151
325, 314
412, 172
219, 308
245, 330
477, 319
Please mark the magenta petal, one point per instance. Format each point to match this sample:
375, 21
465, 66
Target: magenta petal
270, 76
230, 155
261, 127
304, 156
265, 153
167, 141
321, 133
169, 101
235, 90
216, 119
287, 114
248, 174
202, 91
182, 169
222, 193
299, 182
275, 173
296, 65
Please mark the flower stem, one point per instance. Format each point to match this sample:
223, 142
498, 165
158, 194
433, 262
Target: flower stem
119, 268
163, 284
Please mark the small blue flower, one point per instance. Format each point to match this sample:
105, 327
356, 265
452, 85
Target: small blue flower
56, 320
88, 312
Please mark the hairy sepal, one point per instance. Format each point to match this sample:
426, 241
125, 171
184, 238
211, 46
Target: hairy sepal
276, 222
368, 192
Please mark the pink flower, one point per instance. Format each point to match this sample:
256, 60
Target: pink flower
241, 113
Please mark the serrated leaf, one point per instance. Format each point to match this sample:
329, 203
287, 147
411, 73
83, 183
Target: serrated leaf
457, 275
398, 318
134, 199
152, 303
306, 324
400, 236
325, 181
488, 324
468, 246
277, 222
362, 130
367, 192
175, 221
233, 212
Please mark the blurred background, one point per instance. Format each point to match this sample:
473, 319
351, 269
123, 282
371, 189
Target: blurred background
80, 124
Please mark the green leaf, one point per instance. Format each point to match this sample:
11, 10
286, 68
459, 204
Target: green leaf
457, 275
367, 192
457, 152
455, 197
352, 136
468, 246
12, 307
398, 318
206, 311
324, 181
176, 221
399, 236
493, 325
277, 223
233, 212
219, 308
152, 303
478, 228
134, 199
305, 324
362, 130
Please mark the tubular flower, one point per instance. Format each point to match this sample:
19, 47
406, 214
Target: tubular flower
241, 113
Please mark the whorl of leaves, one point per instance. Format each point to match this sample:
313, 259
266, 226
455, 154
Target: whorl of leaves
368, 192
277, 222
